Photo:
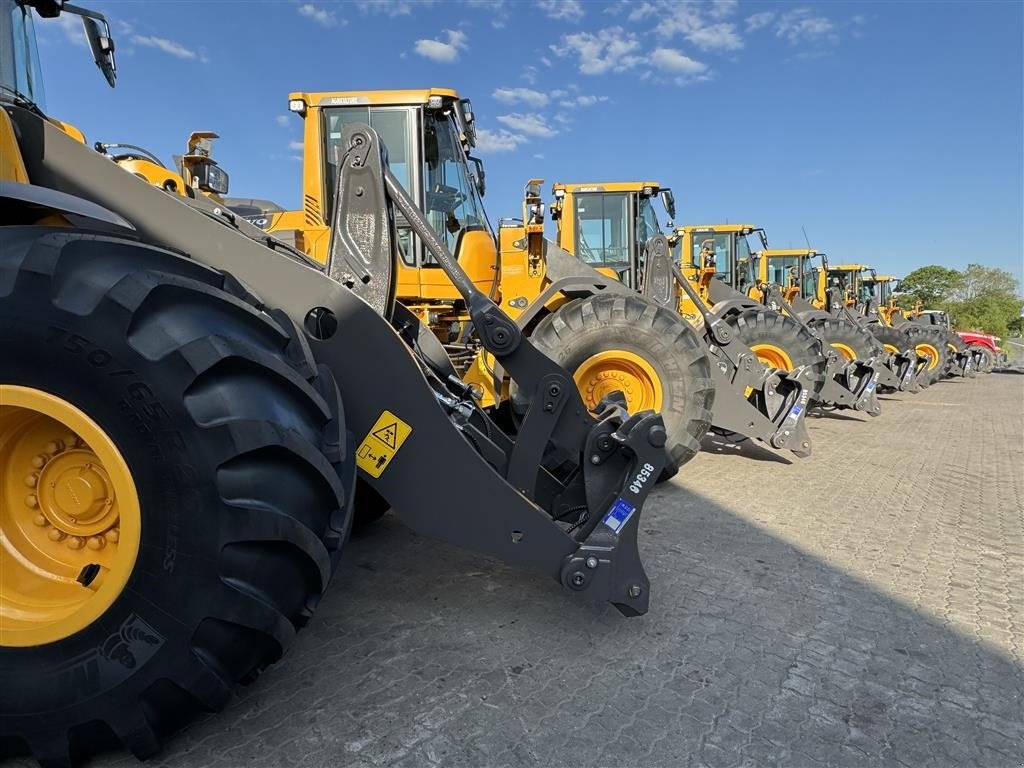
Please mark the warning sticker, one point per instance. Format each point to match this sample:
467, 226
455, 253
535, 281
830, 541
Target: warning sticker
382, 443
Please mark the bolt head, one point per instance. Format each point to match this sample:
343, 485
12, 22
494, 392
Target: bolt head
578, 579
635, 591
591, 562
595, 459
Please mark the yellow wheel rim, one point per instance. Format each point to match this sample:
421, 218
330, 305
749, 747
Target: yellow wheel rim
844, 350
617, 369
773, 357
891, 348
70, 520
929, 351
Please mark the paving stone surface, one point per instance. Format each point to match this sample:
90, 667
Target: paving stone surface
864, 607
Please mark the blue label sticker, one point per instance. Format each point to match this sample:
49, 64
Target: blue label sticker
871, 386
795, 411
619, 515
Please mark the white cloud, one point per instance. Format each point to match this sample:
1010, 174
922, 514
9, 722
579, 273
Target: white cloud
676, 62
528, 124
800, 25
283, 120
321, 16
521, 95
441, 51
168, 46
295, 145
70, 25
562, 10
391, 8
582, 100
612, 49
497, 9
539, 156
759, 20
721, 37
490, 142
721, 9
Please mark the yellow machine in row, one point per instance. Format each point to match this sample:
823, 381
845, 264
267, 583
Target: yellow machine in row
190, 412
429, 134
718, 272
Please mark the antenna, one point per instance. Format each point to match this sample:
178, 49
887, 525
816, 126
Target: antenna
806, 240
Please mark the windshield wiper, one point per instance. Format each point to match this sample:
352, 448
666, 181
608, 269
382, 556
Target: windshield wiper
19, 99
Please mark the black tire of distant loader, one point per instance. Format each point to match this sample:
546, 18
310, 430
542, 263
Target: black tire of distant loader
934, 340
894, 340
848, 339
769, 333
235, 441
583, 329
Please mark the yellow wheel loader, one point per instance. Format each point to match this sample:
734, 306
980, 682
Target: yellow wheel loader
943, 351
789, 278
769, 369
618, 343
875, 297
185, 407
851, 363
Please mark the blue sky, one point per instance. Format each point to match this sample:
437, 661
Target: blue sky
892, 132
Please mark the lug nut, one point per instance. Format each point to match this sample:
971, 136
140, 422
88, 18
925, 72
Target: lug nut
57, 535
40, 520
54, 446
75, 542
112, 535
40, 461
96, 542
31, 501
32, 480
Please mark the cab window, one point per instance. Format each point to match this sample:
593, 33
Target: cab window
718, 245
394, 126
602, 230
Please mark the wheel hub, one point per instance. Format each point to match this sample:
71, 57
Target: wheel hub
67, 500
619, 370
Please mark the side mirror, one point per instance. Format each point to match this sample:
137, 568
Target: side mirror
100, 41
479, 177
670, 202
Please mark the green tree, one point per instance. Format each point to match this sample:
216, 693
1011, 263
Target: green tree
991, 312
932, 285
978, 280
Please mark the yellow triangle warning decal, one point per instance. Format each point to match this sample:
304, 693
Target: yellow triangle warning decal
387, 434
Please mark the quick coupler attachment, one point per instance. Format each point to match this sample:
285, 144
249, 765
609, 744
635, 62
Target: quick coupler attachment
850, 385
963, 365
860, 380
899, 372
625, 456
791, 432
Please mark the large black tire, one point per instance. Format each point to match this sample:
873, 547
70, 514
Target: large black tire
237, 446
848, 338
756, 327
894, 340
934, 339
583, 328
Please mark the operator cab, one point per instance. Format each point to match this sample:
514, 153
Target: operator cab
610, 224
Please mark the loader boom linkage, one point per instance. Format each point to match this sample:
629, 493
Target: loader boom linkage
569, 487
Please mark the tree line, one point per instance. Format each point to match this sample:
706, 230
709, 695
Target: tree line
977, 298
